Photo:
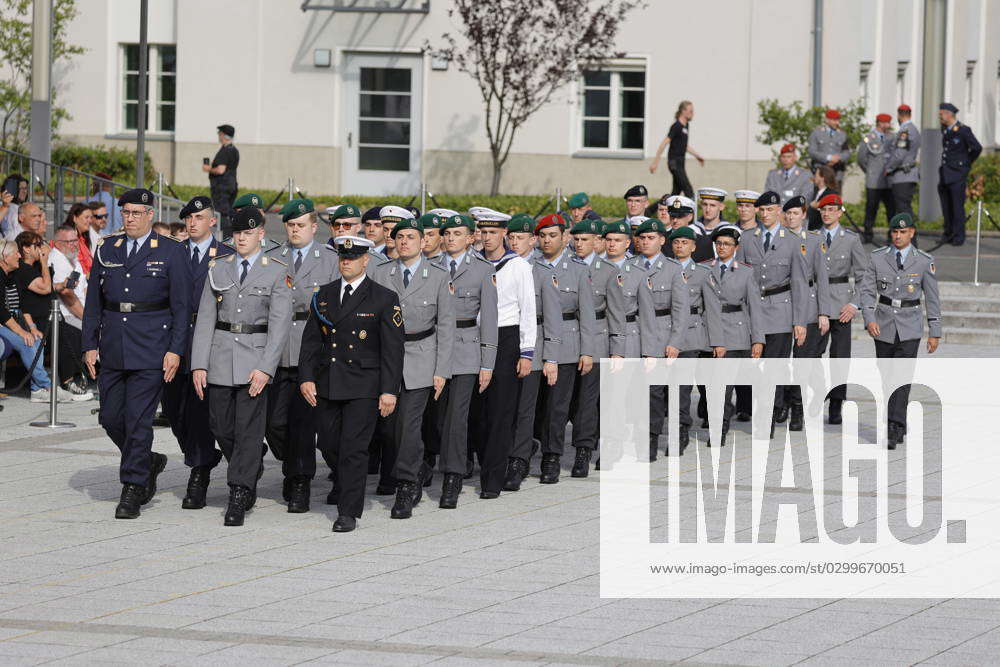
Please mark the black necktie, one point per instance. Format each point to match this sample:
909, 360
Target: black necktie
246, 267
722, 273
829, 240
767, 241
452, 268
347, 294
899, 260
135, 245
195, 258
406, 278
298, 260
648, 264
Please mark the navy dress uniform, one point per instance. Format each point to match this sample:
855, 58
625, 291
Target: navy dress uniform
891, 291
291, 428
959, 149
243, 323
188, 416
136, 312
352, 349
901, 166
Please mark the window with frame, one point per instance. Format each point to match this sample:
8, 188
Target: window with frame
614, 110
161, 88
864, 87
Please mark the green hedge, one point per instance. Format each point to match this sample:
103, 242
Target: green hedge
119, 163
988, 165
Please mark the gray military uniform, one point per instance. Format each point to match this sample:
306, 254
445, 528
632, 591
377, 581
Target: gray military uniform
705, 325
873, 154
824, 143
623, 299
904, 151
902, 316
739, 304
586, 396
320, 265
797, 181
781, 277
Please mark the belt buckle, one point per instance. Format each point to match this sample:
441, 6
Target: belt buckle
126, 307
897, 303
236, 327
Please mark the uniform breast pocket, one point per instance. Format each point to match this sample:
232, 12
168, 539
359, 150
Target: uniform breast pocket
263, 293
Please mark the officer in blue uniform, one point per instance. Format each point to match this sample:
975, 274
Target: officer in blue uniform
959, 149
136, 317
188, 415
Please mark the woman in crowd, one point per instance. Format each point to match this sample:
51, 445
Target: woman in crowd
824, 183
81, 217
34, 282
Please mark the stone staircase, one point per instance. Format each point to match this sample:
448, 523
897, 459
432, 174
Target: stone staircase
970, 314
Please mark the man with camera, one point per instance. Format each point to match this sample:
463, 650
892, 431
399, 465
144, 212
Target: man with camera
221, 172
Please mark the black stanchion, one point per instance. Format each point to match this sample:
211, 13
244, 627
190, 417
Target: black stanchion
53, 421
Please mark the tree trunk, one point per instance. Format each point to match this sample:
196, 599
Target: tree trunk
497, 169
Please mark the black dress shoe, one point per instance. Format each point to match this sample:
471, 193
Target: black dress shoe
403, 507
836, 416
683, 438
298, 502
197, 488
450, 488
517, 470
725, 434
489, 495
131, 499
597, 464
581, 464
426, 474
796, 420
742, 416
781, 414
895, 435
344, 524
333, 497
239, 503
156, 466
470, 469
550, 469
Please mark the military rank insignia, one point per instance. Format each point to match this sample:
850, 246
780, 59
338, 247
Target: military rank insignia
118, 243
451, 288
804, 250
397, 316
153, 243
211, 251
362, 334
288, 281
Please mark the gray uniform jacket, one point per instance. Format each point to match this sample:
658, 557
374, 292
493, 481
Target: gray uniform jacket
798, 182
319, 267
475, 291
739, 301
601, 273
549, 334
780, 267
705, 326
264, 298
428, 316
844, 257
624, 304
873, 154
579, 331
904, 151
441, 259
671, 303
902, 316
824, 144
818, 273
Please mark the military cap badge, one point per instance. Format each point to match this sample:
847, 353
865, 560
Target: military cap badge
197, 203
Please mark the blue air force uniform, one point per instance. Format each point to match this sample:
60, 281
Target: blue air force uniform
137, 310
959, 149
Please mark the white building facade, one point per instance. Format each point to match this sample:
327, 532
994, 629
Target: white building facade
350, 102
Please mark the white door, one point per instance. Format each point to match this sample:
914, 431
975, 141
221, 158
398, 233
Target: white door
381, 137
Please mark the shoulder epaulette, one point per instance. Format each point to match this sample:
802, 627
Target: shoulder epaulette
171, 237
386, 261
482, 259
848, 231
878, 250
270, 250
701, 265
230, 257
921, 252
436, 266
278, 261
671, 259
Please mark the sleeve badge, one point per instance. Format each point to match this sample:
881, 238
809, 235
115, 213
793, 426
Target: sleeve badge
397, 316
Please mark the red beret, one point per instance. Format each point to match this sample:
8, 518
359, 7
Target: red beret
883, 118
904, 107
788, 148
550, 220
832, 114
831, 199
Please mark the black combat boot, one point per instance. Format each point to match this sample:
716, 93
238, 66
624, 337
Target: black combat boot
403, 507
450, 488
298, 497
550, 469
157, 463
131, 499
517, 470
835, 411
581, 464
239, 503
781, 414
796, 421
197, 488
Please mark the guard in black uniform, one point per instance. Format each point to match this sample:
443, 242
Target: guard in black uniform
137, 316
359, 324
222, 177
959, 149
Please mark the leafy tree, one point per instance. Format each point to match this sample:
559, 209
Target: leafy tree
521, 53
15, 58
793, 123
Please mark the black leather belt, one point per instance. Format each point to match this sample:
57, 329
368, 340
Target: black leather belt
601, 314
631, 317
465, 324
695, 310
738, 308
899, 303
811, 283
776, 290
304, 315
420, 335
837, 280
241, 327
569, 316
137, 306
660, 312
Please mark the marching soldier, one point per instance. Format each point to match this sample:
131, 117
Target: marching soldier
901, 166
188, 415
571, 277
136, 316
624, 295
746, 209
828, 145
873, 156
587, 391
473, 284
243, 323
780, 271
844, 257
351, 369
291, 427
681, 212
636, 203
434, 413
789, 180
959, 149
896, 278
429, 323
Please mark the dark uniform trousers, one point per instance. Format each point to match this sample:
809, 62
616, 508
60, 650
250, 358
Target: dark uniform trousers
555, 410
404, 424
684, 392
454, 428
432, 426
291, 425
348, 426
238, 420
129, 423
188, 417
499, 406
902, 197
524, 417
383, 448
874, 197
839, 338
953, 209
901, 396
778, 346
659, 404
808, 350
586, 408
222, 201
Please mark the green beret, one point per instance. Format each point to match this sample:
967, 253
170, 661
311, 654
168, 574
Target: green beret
579, 200
345, 211
459, 221
684, 232
296, 208
902, 221
586, 227
248, 199
406, 223
617, 227
430, 221
651, 225
522, 222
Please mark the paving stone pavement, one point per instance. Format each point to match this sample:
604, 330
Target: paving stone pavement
510, 582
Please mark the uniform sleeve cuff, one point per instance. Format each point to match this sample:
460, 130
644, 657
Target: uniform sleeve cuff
528, 353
